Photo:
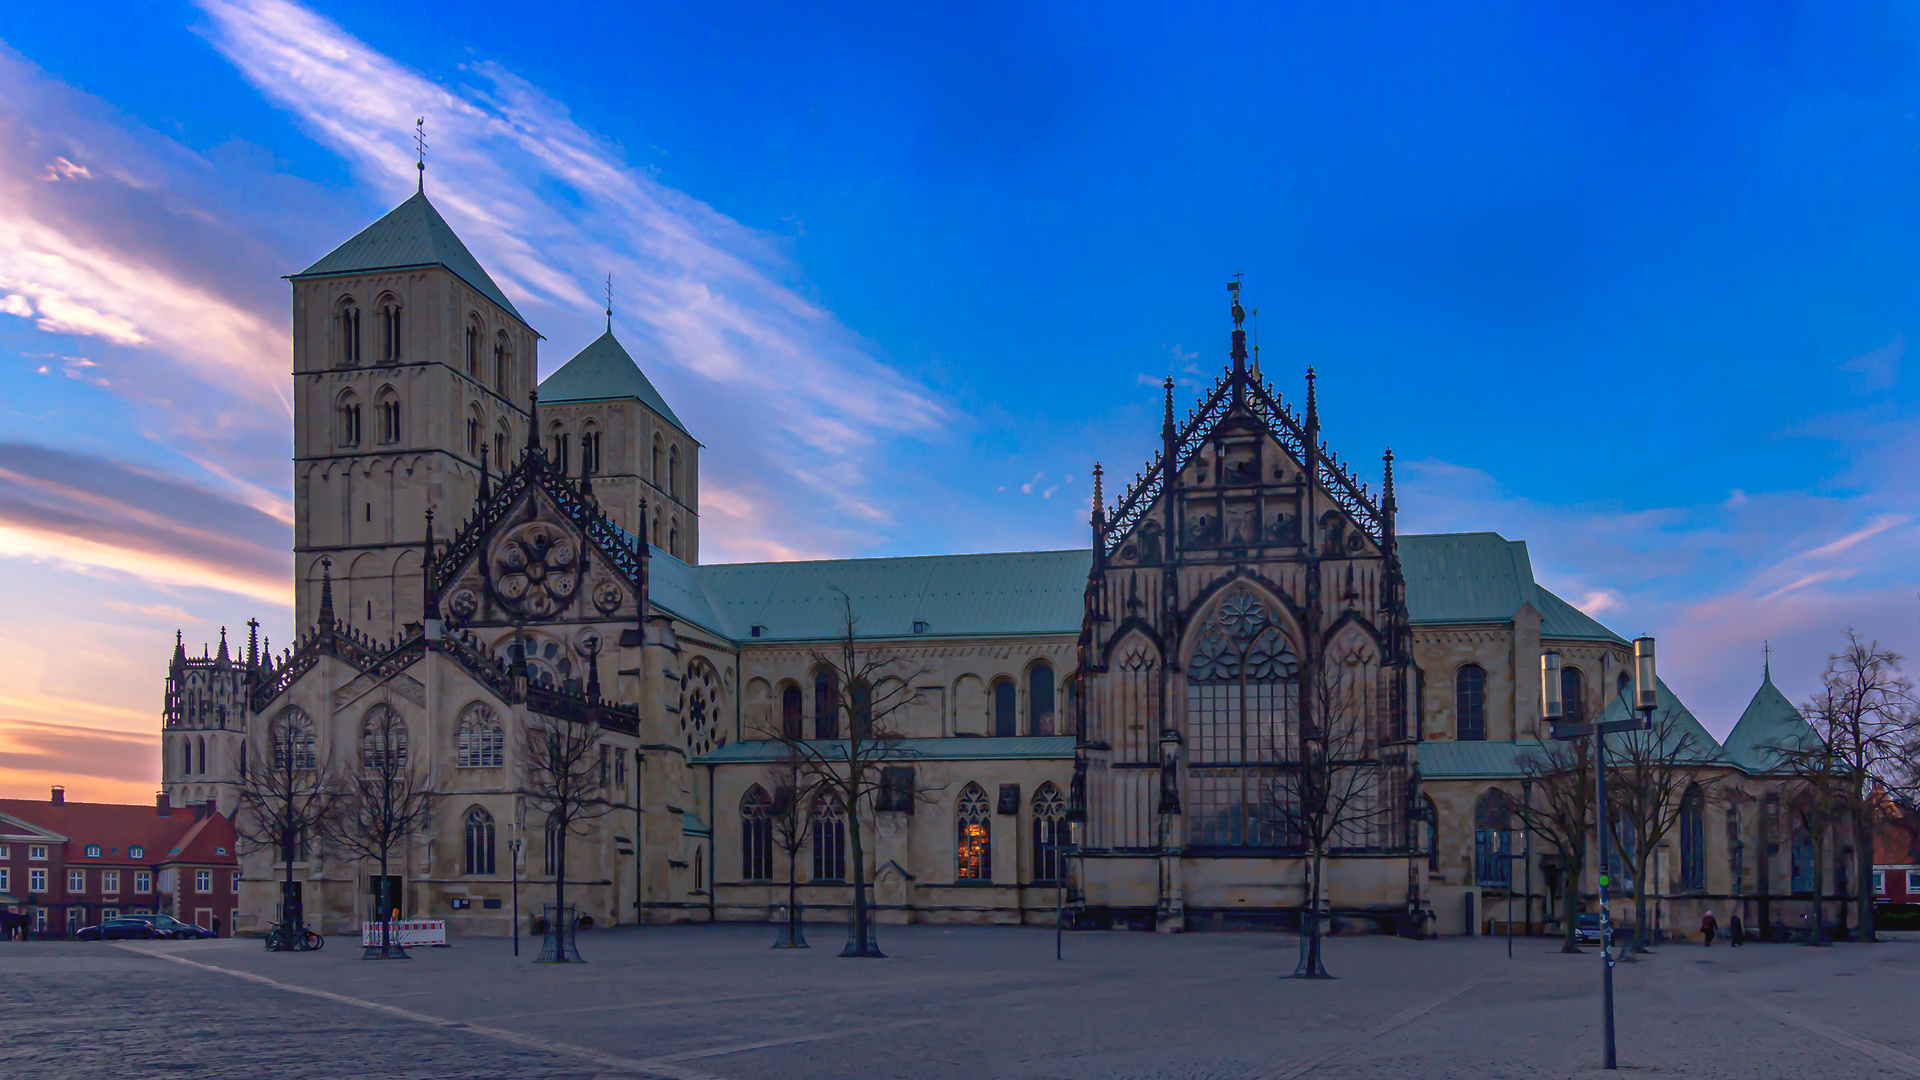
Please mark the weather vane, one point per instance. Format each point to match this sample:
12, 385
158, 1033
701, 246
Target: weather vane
420, 147
609, 303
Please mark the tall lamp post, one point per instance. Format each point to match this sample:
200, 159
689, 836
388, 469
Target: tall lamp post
513, 853
1646, 696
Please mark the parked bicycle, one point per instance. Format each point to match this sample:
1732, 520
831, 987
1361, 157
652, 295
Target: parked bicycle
291, 937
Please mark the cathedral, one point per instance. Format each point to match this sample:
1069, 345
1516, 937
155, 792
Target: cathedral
1114, 728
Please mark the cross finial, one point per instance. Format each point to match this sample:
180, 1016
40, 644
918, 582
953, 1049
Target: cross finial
1766, 660
609, 303
420, 148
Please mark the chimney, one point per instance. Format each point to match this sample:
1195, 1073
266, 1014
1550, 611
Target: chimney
163, 804
59, 795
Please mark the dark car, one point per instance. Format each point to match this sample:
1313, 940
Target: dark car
1586, 928
166, 926
116, 930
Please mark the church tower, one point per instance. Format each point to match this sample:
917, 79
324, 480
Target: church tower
412, 372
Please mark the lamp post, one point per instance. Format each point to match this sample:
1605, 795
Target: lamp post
1646, 699
513, 853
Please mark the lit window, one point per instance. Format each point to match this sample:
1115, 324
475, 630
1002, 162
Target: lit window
974, 836
203, 881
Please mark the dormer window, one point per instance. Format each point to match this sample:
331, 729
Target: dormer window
136, 852
93, 851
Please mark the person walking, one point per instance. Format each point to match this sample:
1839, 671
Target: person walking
1737, 931
1708, 927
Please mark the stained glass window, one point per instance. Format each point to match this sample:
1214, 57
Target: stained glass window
756, 834
1470, 703
1049, 832
973, 820
829, 841
1242, 713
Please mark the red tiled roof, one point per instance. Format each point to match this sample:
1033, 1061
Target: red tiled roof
123, 826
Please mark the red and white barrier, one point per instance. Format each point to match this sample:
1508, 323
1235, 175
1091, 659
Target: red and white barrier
407, 932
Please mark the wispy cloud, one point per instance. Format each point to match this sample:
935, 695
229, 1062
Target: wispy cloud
786, 391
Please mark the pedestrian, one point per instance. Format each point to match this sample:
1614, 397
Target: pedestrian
1708, 927
1737, 931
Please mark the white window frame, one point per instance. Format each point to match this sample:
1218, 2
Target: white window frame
236, 883
39, 920
110, 882
1879, 883
143, 881
203, 881
6, 879
136, 852
76, 876
37, 852
37, 879
6, 851
109, 913
93, 851
1913, 882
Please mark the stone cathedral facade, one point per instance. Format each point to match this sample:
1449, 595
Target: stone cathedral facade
478, 551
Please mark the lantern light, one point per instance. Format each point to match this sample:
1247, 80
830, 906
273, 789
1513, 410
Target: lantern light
1646, 685
1551, 707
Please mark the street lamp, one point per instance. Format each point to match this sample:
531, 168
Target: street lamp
1646, 699
513, 854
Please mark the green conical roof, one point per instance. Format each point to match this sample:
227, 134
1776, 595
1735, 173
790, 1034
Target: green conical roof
1770, 720
412, 234
1686, 739
603, 371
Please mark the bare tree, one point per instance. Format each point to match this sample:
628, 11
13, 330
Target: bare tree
792, 823
865, 693
1649, 774
286, 804
1816, 796
563, 775
1333, 795
1560, 812
1865, 720
385, 804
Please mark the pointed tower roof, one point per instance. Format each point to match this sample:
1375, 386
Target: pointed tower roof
604, 371
412, 234
1770, 720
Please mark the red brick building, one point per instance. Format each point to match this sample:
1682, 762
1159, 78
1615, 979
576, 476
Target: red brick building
72, 864
1896, 852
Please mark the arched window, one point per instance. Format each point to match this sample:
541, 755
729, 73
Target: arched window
1470, 703
346, 323
792, 723
388, 412
826, 704
186, 757
973, 835
862, 709
699, 869
479, 841
558, 449
1736, 849
673, 471
589, 449
1430, 819
347, 419
473, 346
389, 330
383, 740
756, 835
1006, 709
673, 537
476, 424
481, 743
201, 746
500, 448
293, 741
1049, 833
1572, 699
829, 841
1492, 840
1693, 839
1800, 864
502, 365
1040, 699
659, 479
1243, 699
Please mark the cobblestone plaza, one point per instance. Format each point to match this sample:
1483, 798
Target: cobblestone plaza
716, 1002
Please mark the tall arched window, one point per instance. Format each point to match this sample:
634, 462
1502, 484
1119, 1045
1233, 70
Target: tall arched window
347, 419
502, 365
589, 449
673, 537
792, 723
479, 841
186, 757
481, 742
389, 330
1430, 819
558, 449
476, 427
1693, 839
1006, 709
1243, 696
756, 834
673, 471
388, 411
862, 709
1493, 840
829, 841
500, 448
1572, 698
201, 746
293, 741
826, 704
1040, 698
1470, 703
346, 323
1736, 849
473, 346
659, 480
1049, 832
973, 835
383, 739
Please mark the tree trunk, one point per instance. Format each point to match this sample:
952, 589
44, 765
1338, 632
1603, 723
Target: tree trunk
386, 908
858, 946
1310, 965
793, 893
1863, 872
1640, 858
1571, 887
1819, 892
558, 924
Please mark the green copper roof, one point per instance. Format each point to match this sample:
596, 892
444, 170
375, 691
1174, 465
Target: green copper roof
1686, 739
1026, 747
603, 371
1484, 577
1475, 759
412, 234
1769, 720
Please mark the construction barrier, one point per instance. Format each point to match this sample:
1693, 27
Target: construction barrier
407, 932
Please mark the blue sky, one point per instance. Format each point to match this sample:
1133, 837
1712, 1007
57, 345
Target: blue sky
1634, 286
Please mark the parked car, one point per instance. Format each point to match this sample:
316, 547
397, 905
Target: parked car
166, 926
1586, 928
117, 930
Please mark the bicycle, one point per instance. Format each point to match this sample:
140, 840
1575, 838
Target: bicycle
283, 937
